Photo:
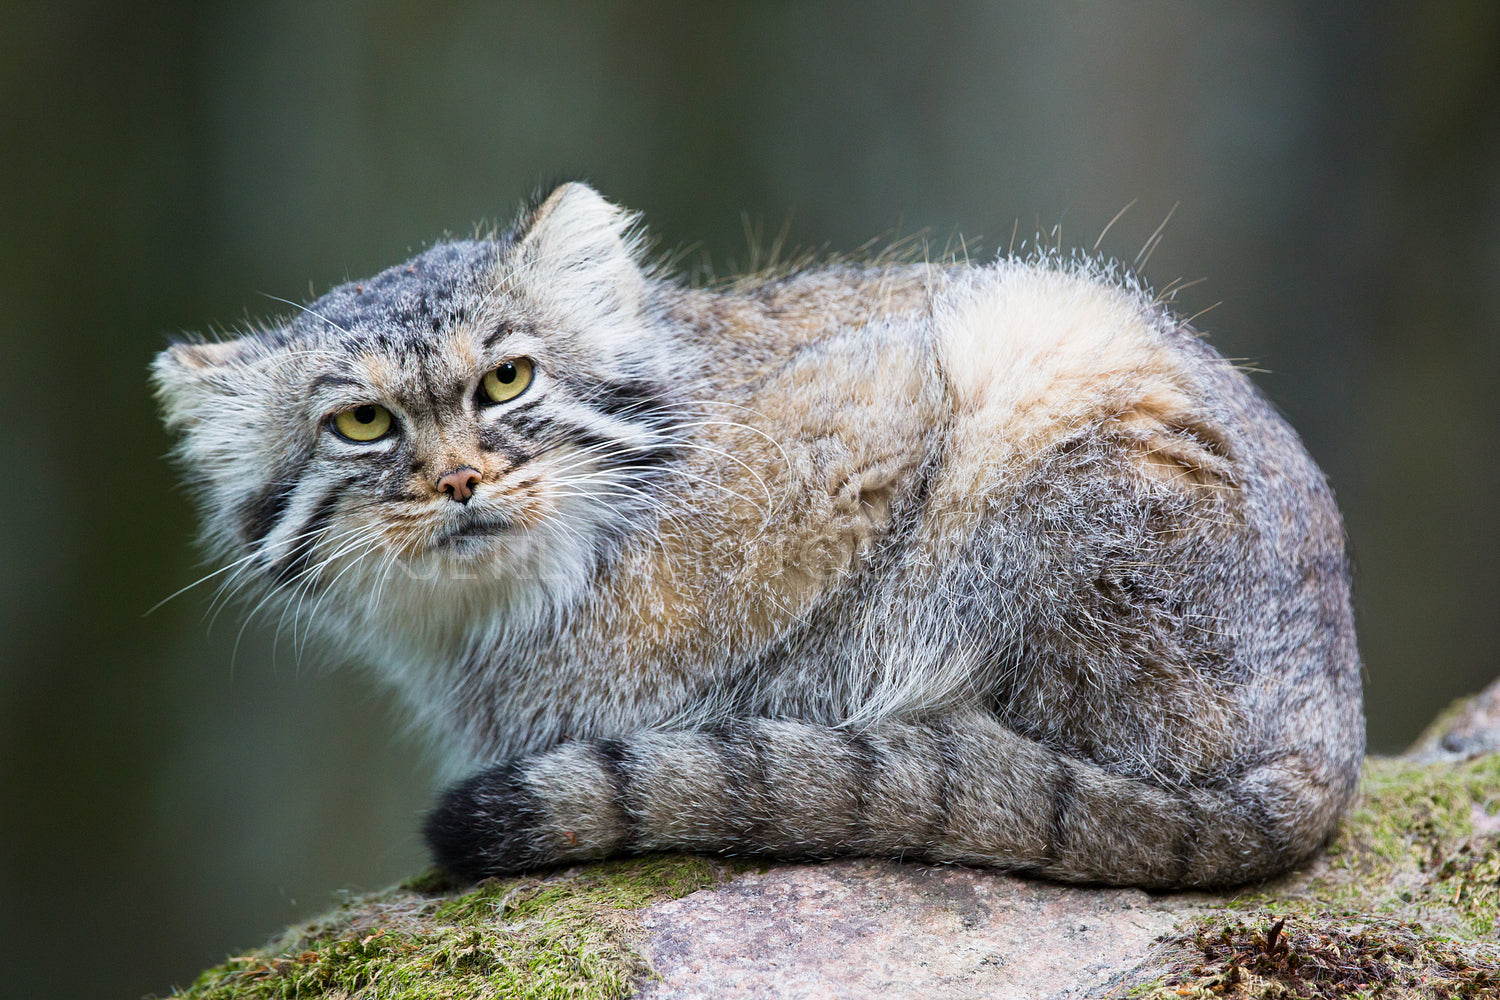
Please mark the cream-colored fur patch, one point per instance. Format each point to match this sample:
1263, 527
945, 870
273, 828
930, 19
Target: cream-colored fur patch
1021, 338
1031, 356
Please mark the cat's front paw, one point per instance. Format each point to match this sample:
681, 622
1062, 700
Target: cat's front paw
488, 824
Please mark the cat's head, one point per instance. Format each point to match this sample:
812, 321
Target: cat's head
473, 425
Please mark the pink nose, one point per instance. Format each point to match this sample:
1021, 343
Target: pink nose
459, 484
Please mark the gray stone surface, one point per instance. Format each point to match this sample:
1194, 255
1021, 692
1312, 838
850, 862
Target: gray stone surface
1472, 729
864, 928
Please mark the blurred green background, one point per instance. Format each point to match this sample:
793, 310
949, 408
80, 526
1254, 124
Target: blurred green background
165, 799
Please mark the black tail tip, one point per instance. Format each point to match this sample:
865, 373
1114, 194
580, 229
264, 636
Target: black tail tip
485, 826
454, 836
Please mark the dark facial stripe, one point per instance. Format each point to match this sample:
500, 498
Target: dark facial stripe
263, 511
523, 416
630, 399
260, 513
633, 401
612, 453
336, 380
295, 561
492, 438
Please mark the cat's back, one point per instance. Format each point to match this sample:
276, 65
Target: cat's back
990, 379
1041, 454
1011, 360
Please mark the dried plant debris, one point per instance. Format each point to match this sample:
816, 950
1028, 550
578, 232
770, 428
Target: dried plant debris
1469, 879
1275, 956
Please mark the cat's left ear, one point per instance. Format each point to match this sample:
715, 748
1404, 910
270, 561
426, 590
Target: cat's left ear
582, 250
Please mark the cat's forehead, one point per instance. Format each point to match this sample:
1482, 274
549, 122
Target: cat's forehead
402, 307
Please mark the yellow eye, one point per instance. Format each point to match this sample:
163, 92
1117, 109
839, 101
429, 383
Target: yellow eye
508, 381
363, 423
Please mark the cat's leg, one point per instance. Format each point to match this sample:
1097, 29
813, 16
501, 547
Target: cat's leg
964, 789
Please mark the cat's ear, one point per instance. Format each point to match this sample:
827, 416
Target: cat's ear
189, 376
582, 250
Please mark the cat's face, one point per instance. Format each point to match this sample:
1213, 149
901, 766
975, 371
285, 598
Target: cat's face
460, 429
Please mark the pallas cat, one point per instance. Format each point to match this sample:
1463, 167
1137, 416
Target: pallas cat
996, 564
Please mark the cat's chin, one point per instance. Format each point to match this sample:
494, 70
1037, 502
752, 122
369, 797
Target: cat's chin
497, 558
471, 560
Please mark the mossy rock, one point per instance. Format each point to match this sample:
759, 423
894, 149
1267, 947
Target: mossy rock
1423, 842
571, 934
1405, 903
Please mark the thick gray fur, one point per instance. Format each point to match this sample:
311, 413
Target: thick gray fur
996, 565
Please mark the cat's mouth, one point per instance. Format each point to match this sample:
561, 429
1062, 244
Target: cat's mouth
471, 531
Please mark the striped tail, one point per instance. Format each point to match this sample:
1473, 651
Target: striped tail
966, 790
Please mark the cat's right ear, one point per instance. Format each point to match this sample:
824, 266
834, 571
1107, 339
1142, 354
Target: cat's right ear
189, 377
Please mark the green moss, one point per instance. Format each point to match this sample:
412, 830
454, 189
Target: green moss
569, 935
620, 885
434, 880
1420, 842
1406, 807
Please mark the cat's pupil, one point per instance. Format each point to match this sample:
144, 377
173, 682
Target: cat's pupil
506, 373
364, 414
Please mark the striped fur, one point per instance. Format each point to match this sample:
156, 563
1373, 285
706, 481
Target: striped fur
997, 565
